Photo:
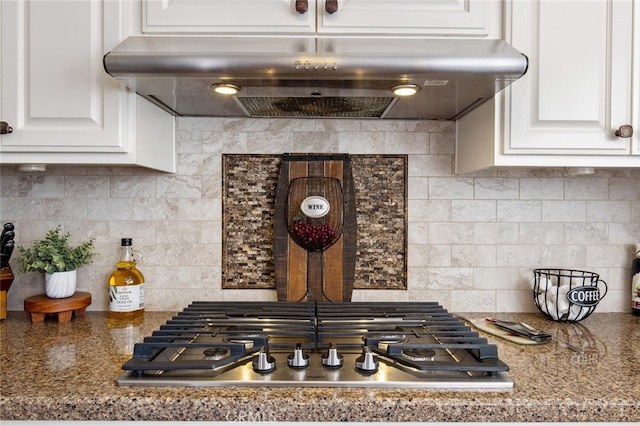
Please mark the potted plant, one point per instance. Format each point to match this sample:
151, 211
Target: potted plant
58, 260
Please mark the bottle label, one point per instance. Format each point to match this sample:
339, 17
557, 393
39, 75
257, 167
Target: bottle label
635, 288
126, 298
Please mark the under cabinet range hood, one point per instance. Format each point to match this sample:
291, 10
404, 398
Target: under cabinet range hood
315, 77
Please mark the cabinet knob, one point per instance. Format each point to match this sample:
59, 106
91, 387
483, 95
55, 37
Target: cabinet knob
5, 128
302, 6
624, 131
331, 6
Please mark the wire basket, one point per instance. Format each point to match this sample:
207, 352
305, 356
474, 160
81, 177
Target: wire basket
567, 295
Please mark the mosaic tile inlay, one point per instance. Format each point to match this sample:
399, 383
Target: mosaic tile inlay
249, 187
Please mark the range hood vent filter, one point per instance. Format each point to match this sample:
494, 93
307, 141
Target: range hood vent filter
325, 107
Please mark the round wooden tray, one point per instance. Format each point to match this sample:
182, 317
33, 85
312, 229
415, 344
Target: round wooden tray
41, 305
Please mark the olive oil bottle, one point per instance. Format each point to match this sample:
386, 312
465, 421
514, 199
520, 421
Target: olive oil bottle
126, 285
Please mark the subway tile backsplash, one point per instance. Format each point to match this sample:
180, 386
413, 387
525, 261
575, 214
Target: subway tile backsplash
473, 240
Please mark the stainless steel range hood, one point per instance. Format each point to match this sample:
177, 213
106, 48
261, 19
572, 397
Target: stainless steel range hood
315, 77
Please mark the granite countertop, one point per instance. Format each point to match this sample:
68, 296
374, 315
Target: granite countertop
53, 371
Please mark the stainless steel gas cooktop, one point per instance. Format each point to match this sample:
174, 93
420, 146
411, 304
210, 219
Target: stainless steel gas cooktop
316, 344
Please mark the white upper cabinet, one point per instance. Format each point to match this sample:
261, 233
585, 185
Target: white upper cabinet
580, 90
228, 16
478, 18
59, 101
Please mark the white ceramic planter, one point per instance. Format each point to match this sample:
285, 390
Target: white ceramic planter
60, 284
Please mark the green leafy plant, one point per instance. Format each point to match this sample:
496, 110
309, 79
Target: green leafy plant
54, 254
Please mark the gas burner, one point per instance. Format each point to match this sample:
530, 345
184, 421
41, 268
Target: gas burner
419, 354
387, 339
393, 338
384, 340
215, 353
246, 339
242, 337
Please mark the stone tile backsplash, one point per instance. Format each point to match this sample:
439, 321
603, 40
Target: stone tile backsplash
473, 240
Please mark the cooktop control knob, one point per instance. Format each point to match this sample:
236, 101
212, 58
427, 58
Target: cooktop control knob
332, 358
298, 359
367, 362
264, 362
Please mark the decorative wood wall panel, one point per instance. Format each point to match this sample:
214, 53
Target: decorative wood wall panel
248, 200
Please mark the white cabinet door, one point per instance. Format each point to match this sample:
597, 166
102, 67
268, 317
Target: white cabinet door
54, 93
477, 18
581, 86
228, 16
577, 91
56, 96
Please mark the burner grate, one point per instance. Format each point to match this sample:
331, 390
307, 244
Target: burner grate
426, 325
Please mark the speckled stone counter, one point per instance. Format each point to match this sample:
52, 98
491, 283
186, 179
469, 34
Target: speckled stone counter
54, 371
